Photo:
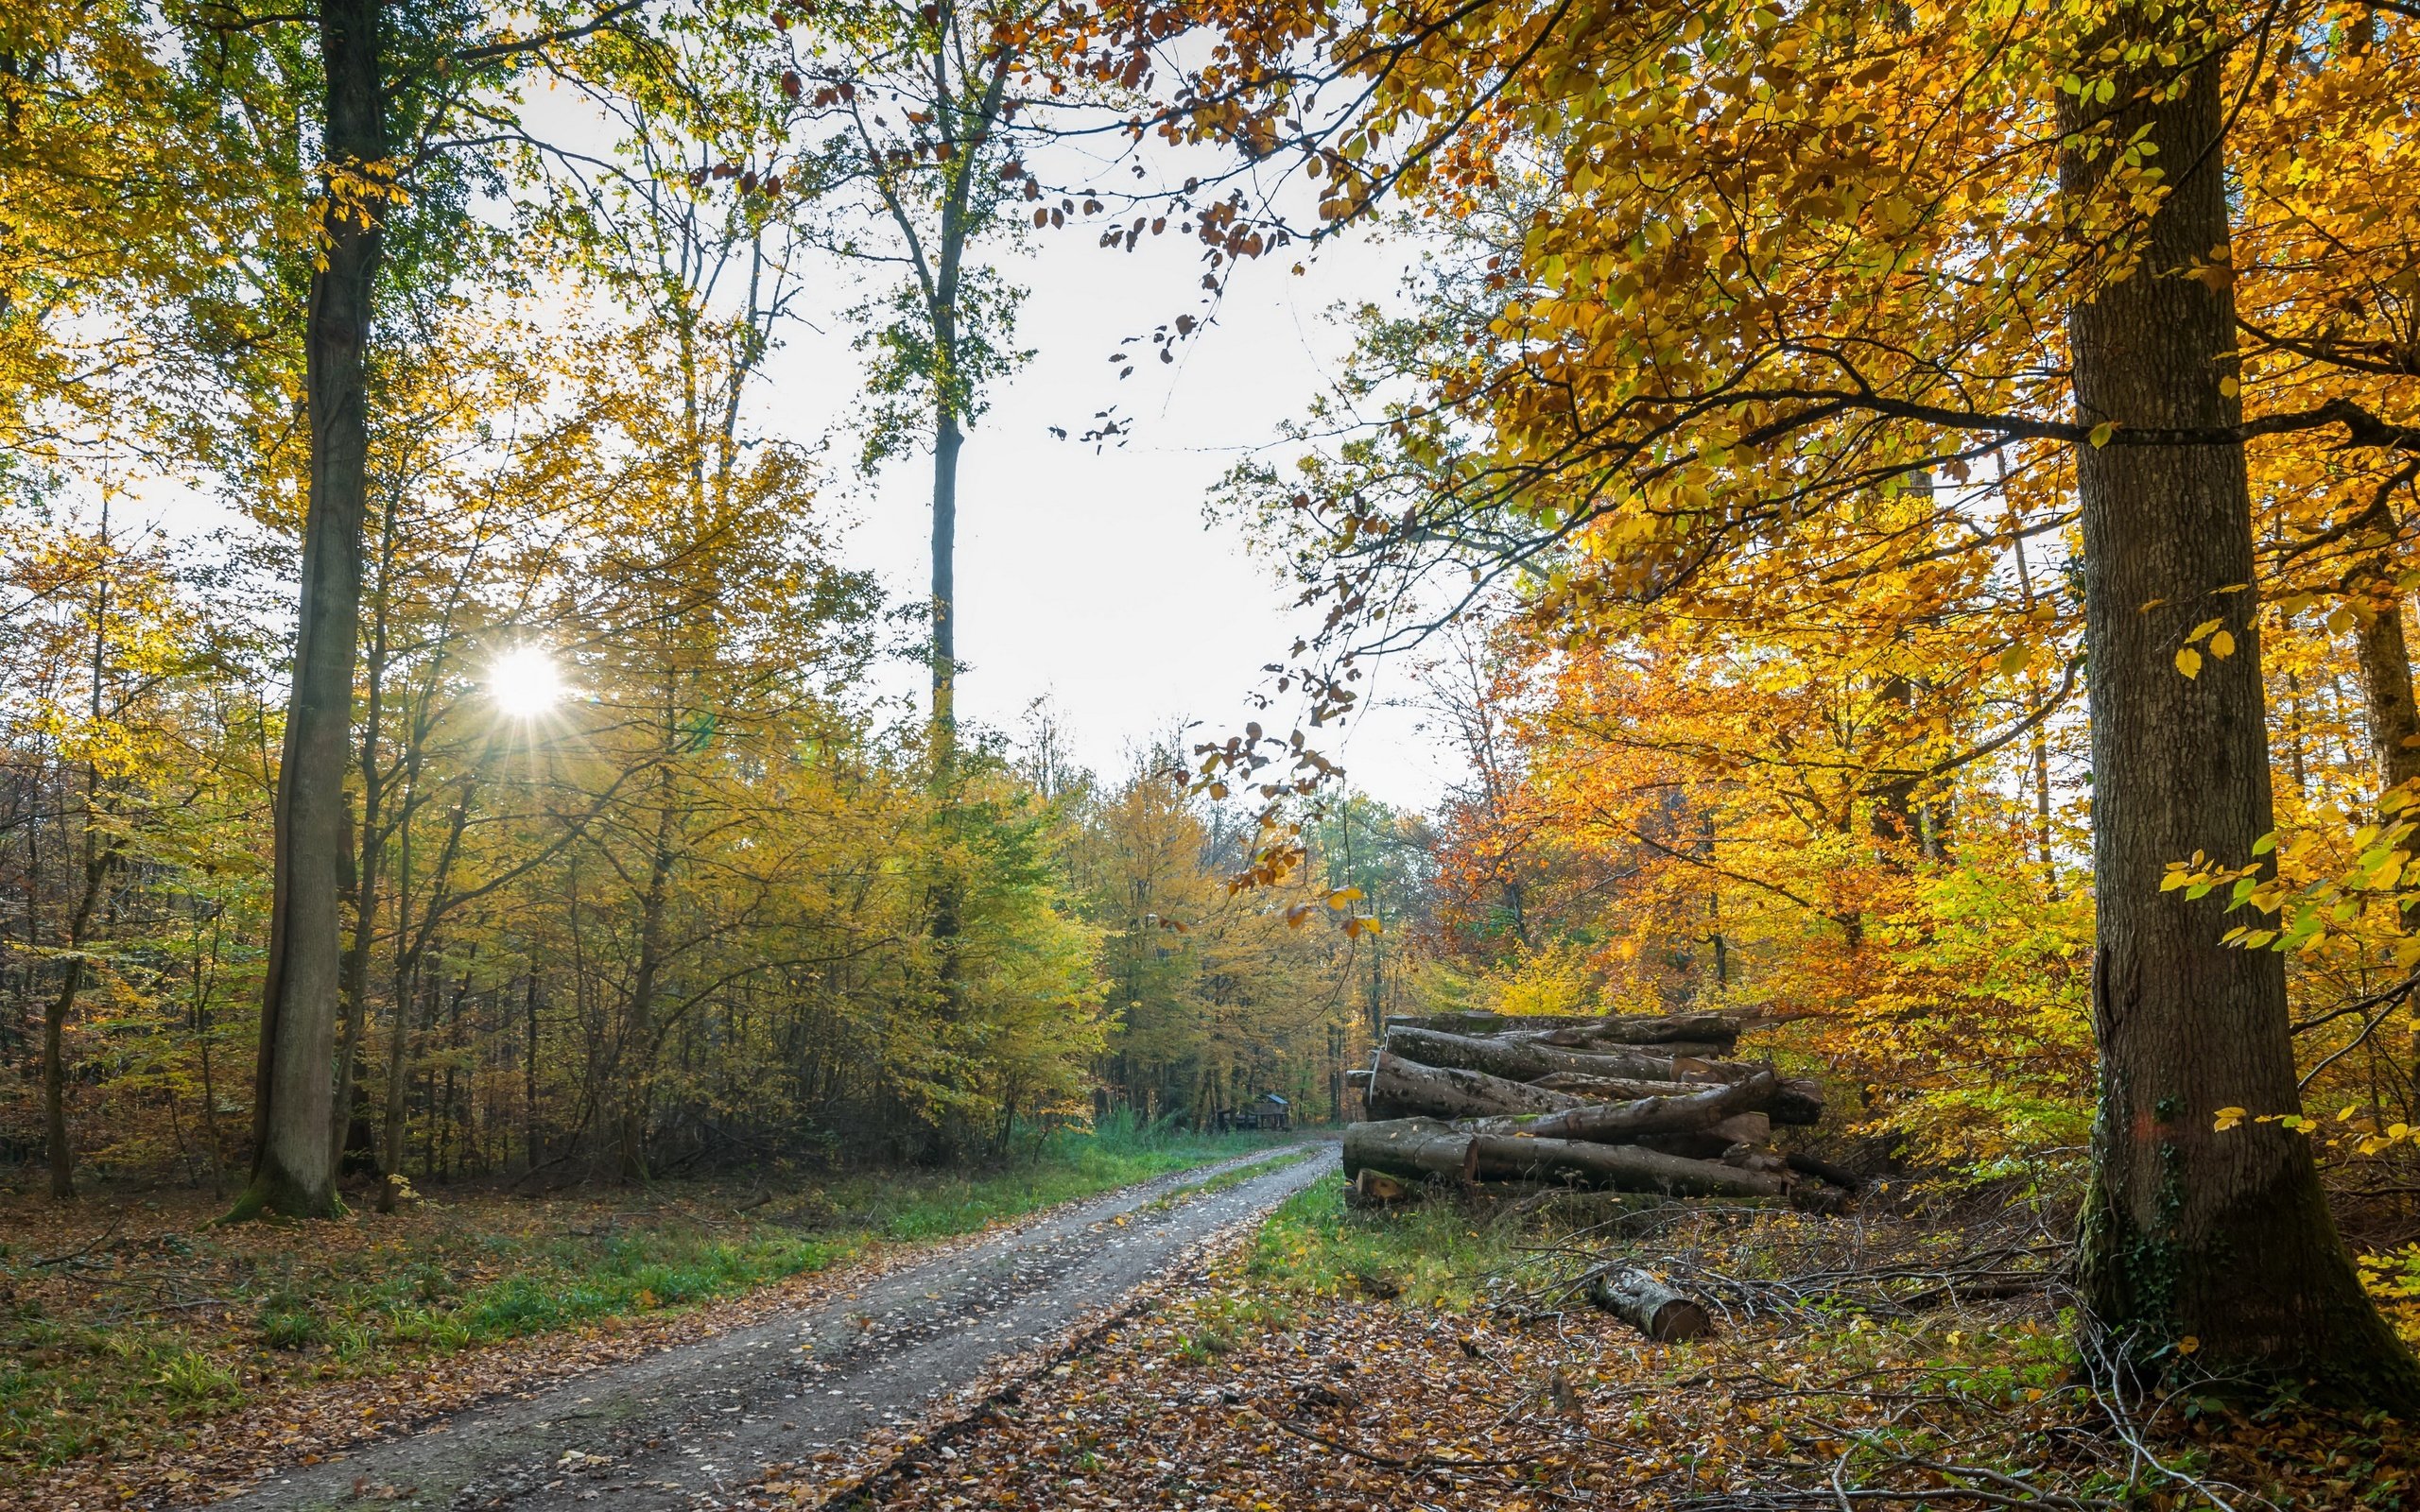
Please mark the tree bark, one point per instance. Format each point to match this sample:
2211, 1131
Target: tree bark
948, 440
2222, 1237
365, 856
1405, 1089
61, 1153
1721, 1029
1580, 1040
293, 1172
1797, 1100
1648, 1305
1715, 1140
1523, 1060
2386, 683
1617, 1122
1420, 1148
637, 1051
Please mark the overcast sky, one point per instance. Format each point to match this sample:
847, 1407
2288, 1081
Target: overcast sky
1092, 579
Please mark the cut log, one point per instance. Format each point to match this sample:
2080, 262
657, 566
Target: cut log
1407, 1089
1580, 1040
1799, 1100
1721, 1030
1796, 1101
1703, 1109
1823, 1170
1715, 1143
1614, 1089
1526, 1060
1519, 1060
1748, 1128
1648, 1305
1418, 1148
1374, 1189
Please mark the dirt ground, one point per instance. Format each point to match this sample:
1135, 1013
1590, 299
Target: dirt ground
693, 1426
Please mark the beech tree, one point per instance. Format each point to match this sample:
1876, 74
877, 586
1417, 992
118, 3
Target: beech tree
914, 112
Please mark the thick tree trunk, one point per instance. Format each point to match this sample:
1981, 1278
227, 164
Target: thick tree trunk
1797, 1100
2386, 683
1577, 1031
1648, 1305
1526, 1060
1581, 1040
1615, 1123
1405, 1089
293, 1171
1716, 1141
1419, 1148
2222, 1237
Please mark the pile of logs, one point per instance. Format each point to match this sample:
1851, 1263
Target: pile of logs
1630, 1103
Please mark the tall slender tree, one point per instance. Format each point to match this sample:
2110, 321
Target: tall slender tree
917, 110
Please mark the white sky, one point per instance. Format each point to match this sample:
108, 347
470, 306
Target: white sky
1096, 579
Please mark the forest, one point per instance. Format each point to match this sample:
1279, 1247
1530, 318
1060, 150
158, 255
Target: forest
1902, 522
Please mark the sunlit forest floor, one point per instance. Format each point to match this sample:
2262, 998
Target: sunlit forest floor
1444, 1358
131, 1327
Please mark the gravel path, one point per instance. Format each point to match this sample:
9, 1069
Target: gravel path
687, 1428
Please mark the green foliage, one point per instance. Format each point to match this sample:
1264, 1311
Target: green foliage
188, 1378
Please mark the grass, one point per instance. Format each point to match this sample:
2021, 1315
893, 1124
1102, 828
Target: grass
1429, 1254
1225, 1181
170, 1323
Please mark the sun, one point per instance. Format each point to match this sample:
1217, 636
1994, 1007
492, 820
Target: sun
525, 682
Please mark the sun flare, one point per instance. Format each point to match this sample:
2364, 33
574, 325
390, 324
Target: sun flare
525, 682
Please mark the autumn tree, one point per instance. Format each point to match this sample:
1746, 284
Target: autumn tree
1768, 265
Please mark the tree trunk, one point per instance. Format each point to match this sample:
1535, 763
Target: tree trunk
1797, 1100
390, 1134
2222, 1237
1581, 1040
1405, 1089
1576, 1030
2386, 681
947, 442
637, 1051
1420, 1148
1619, 1123
293, 1169
62, 1154
1523, 1060
367, 855
1650, 1306
1715, 1140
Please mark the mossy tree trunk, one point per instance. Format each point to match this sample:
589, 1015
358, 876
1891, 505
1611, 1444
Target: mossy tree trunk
2220, 1237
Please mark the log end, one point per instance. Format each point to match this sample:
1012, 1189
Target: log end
1679, 1319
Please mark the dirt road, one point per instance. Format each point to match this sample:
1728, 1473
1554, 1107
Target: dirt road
687, 1428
